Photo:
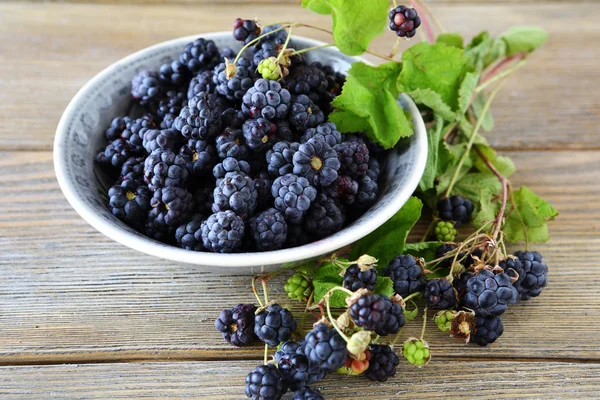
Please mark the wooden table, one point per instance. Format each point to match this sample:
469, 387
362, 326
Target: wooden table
84, 317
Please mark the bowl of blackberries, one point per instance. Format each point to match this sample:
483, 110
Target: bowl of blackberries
195, 150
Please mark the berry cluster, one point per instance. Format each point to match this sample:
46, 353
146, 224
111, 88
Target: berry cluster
217, 158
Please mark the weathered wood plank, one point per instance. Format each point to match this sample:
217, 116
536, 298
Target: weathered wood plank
439, 380
48, 51
68, 294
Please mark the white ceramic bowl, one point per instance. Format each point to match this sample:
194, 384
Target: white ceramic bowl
80, 135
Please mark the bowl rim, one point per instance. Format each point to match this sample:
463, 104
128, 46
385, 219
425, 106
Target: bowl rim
230, 260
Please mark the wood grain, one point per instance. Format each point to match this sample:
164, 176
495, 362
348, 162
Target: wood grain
48, 51
68, 294
438, 380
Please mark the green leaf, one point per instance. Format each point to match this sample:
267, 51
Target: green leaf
409, 315
337, 299
478, 105
483, 51
450, 39
369, 103
528, 220
384, 286
317, 6
388, 240
326, 278
328, 272
467, 88
523, 39
470, 185
434, 101
432, 166
503, 164
424, 250
445, 178
486, 207
437, 67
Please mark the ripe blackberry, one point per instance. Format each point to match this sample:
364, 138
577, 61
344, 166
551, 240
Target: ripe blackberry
228, 53
130, 201
279, 158
168, 121
116, 128
324, 217
172, 103
382, 364
265, 383
259, 134
344, 189
265, 50
355, 278
233, 118
134, 168
268, 230
278, 37
266, 99
439, 294
354, 159
237, 324
305, 114
329, 132
201, 118
293, 365
147, 88
199, 55
308, 394
174, 73
325, 348
335, 80
368, 192
235, 192
135, 131
200, 156
297, 236
164, 168
293, 196
317, 161
284, 132
374, 169
223, 232
230, 164
489, 294
245, 30
188, 235
263, 184
404, 21
154, 139
487, 330
309, 80
171, 207
460, 285
231, 143
203, 82
374, 148
532, 273
115, 154
406, 274
377, 313
455, 208
233, 88
274, 325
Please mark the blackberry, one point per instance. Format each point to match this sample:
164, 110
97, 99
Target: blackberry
130, 201
293, 196
228, 53
368, 192
460, 285
487, 330
164, 168
406, 274
160, 233
377, 313
154, 139
274, 325
171, 207
355, 278
293, 365
317, 161
532, 273
329, 132
268, 230
263, 184
233, 88
133, 167
201, 118
335, 80
344, 189
199, 55
455, 208
266, 99
308, 80
146, 88
203, 198
374, 169
174, 73
168, 121
382, 364
237, 324
265, 383
374, 148
201, 83
439, 294
172, 103
231, 143
233, 118
308, 394
116, 128
325, 348
230, 164
279, 158
305, 114
298, 287
135, 131
115, 154
235, 192
297, 236
324, 217
404, 21
245, 30
354, 159
489, 294
200, 156
223, 232
266, 49
259, 134
188, 234
284, 132
278, 37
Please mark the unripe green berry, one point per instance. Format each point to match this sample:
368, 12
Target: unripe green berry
270, 69
445, 232
298, 287
416, 352
443, 319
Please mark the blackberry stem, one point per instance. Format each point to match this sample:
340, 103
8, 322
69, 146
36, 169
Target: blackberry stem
395, 48
428, 231
425, 21
256, 40
410, 296
266, 357
323, 46
436, 21
285, 45
264, 285
490, 78
396, 338
256, 291
424, 323
332, 320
